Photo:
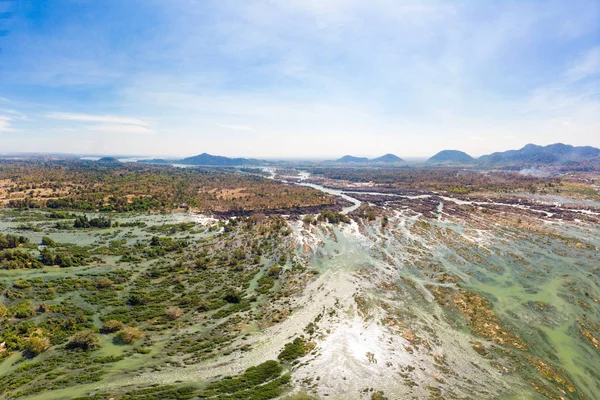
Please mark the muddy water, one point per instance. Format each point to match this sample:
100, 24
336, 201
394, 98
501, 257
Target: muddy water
339, 193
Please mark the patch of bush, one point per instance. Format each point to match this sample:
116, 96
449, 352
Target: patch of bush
129, 335
112, 326
295, 350
16, 259
38, 344
85, 340
23, 309
261, 382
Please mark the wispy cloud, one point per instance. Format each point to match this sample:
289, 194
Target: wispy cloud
97, 118
122, 129
5, 125
14, 114
108, 124
275, 77
586, 66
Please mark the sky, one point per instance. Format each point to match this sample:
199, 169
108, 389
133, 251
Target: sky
297, 78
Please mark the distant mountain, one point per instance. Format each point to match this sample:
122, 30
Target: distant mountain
388, 159
352, 159
451, 156
558, 153
208, 159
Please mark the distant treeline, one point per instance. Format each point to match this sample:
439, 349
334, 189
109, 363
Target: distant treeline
106, 187
458, 181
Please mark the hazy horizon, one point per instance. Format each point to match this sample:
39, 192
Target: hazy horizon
123, 156
297, 79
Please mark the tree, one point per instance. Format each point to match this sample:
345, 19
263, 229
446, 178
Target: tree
129, 335
111, 326
47, 257
232, 297
38, 344
81, 222
63, 260
174, 312
103, 283
46, 241
85, 340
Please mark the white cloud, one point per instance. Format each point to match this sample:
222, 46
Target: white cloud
97, 118
107, 124
312, 77
122, 129
585, 67
5, 125
14, 114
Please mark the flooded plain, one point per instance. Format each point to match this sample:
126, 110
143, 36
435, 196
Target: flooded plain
429, 297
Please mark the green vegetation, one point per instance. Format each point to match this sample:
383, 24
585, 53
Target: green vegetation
16, 259
93, 301
111, 326
333, 217
106, 187
258, 383
451, 180
296, 349
12, 241
130, 290
129, 335
85, 340
83, 222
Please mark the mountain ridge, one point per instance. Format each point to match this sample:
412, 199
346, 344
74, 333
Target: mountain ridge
451, 156
348, 159
209, 159
530, 154
388, 158
556, 153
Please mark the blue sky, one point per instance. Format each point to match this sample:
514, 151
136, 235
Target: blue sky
297, 78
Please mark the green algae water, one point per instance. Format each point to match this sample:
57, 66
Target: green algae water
417, 308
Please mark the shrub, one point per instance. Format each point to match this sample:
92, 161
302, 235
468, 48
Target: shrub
103, 282
86, 340
37, 344
139, 298
15, 259
100, 222
296, 349
300, 396
11, 241
378, 396
232, 297
22, 284
129, 335
112, 326
63, 260
309, 220
174, 312
47, 257
46, 241
44, 308
22, 310
253, 376
333, 217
